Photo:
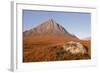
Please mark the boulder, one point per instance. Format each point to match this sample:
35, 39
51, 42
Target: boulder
74, 48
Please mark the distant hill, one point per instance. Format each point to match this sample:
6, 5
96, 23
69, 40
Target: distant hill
87, 38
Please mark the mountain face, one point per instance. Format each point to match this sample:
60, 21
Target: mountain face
49, 27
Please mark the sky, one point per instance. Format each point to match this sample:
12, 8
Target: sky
75, 23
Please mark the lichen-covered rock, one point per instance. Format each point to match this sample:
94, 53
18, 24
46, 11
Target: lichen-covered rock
75, 48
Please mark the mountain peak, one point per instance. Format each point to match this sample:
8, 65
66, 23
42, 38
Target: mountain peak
50, 19
49, 22
49, 27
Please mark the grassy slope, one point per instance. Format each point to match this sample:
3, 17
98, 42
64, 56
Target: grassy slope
47, 48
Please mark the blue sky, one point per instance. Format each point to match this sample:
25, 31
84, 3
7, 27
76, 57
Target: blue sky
74, 22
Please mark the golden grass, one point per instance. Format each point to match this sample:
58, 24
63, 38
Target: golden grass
49, 48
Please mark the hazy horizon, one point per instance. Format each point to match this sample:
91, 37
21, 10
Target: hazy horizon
75, 23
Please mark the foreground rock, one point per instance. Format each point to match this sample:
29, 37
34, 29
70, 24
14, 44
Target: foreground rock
75, 48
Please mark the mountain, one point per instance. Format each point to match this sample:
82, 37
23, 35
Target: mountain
49, 27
